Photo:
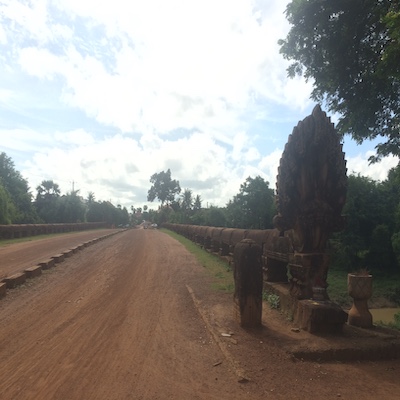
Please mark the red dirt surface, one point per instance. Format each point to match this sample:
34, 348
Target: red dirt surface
134, 317
34, 250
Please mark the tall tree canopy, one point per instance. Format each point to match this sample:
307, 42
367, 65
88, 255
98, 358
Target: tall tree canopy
370, 239
47, 204
15, 195
187, 200
253, 206
164, 188
351, 50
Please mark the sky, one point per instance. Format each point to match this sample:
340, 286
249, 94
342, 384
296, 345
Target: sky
99, 95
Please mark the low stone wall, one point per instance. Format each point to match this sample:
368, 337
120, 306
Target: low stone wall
276, 258
25, 230
222, 241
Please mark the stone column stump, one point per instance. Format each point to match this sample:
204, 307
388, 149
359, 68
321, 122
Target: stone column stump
248, 283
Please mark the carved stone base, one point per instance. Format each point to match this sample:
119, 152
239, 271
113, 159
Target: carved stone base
308, 271
319, 316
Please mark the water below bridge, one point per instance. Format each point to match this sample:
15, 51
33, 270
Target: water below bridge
384, 314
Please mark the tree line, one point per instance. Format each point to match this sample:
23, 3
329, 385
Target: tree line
252, 208
18, 206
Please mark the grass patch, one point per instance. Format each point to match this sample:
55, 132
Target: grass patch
337, 289
219, 270
272, 299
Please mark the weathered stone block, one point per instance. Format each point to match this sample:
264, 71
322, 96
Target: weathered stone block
34, 271
319, 316
14, 280
67, 253
47, 264
58, 258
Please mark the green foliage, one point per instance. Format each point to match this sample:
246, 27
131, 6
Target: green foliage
197, 203
253, 207
350, 51
396, 323
187, 200
163, 188
396, 246
215, 216
384, 287
389, 62
7, 209
70, 208
48, 193
369, 238
16, 206
380, 255
272, 299
15, 196
106, 212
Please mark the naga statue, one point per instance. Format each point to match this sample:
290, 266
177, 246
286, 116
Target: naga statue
311, 192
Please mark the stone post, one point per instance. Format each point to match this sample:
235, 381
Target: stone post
248, 283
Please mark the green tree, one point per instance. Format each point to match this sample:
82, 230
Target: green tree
392, 186
215, 216
106, 212
253, 206
197, 203
70, 208
7, 209
164, 188
186, 205
381, 256
367, 240
350, 50
187, 200
48, 193
20, 207
90, 198
145, 213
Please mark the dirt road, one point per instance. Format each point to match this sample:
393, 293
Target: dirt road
134, 317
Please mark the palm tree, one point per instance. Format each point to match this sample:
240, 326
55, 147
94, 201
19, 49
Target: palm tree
90, 198
197, 203
187, 200
48, 189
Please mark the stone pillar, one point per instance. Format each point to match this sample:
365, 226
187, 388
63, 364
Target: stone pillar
248, 283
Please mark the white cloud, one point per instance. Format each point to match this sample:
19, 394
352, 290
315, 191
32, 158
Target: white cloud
78, 137
190, 64
24, 140
191, 86
378, 171
269, 164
